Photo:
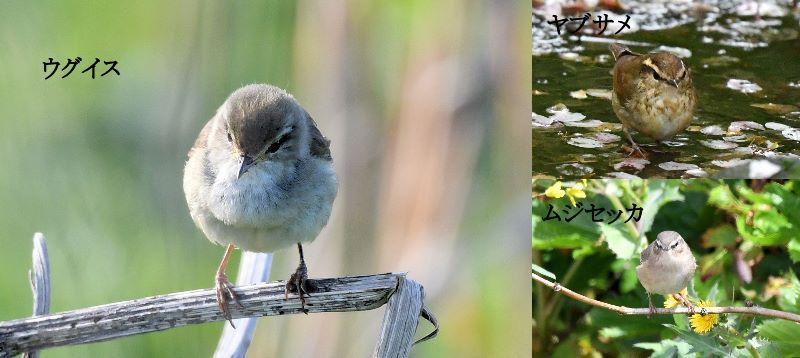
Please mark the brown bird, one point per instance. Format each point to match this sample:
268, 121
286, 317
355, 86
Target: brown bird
260, 177
666, 267
653, 94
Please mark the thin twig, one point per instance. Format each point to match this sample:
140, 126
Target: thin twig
163, 312
758, 311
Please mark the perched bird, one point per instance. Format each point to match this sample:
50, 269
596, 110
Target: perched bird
260, 177
653, 94
666, 267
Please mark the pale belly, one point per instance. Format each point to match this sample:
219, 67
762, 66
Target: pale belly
658, 117
257, 213
665, 276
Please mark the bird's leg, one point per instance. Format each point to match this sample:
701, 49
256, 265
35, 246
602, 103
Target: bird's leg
635, 146
299, 282
685, 301
650, 304
224, 287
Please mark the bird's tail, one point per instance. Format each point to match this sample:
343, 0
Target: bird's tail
253, 268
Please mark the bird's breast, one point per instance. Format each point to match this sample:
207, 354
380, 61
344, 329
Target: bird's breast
256, 199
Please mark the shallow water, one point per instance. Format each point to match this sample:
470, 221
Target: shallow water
764, 52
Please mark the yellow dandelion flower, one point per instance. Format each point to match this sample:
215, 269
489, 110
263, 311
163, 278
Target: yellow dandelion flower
554, 191
703, 324
671, 302
576, 192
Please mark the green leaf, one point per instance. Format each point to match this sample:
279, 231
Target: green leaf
712, 264
723, 198
554, 234
681, 321
659, 192
666, 348
764, 347
787, 201
794, 249
541, 270
619, 243
789, 297
612, 332
701, 344
712, 293
629, 281
765, 196
722, 235
769, 228
782, 333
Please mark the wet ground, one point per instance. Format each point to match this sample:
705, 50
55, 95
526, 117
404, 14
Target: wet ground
746, 73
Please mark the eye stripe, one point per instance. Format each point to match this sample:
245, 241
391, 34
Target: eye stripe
657, 74
279, 143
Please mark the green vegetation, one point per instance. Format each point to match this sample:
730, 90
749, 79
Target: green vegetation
745, 236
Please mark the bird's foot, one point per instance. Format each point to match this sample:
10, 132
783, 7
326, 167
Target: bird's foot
634, 147
636, 151
652, 308
224, 292
300, 284
685, 301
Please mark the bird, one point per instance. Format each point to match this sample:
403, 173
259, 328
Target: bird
260, 177
666, 267
652, 93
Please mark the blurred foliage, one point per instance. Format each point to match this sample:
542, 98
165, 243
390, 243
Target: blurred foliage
744, 235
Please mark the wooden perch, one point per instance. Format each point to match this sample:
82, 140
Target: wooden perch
105, 322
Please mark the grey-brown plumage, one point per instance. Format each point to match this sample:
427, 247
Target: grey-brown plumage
666, 266
653, 93
260, 177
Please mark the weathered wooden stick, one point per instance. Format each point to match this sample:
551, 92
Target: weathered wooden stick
400, 320
39, 276
100, 323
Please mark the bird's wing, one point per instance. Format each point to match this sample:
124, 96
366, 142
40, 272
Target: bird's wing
646, 254
320, 146
625, 72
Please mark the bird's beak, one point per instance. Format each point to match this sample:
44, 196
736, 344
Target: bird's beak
674, 83
246, 163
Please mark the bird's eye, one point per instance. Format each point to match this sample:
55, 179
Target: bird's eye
278, 144
656, 76
674, 245
658, 245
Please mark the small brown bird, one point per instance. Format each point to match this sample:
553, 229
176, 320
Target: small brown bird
653, 94
260, 177
666, 267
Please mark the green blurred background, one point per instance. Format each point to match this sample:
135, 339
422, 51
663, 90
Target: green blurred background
425, 104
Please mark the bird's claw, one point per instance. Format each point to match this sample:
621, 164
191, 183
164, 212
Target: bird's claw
680, 298
300, 284
224, 290
638, 150
652, 308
